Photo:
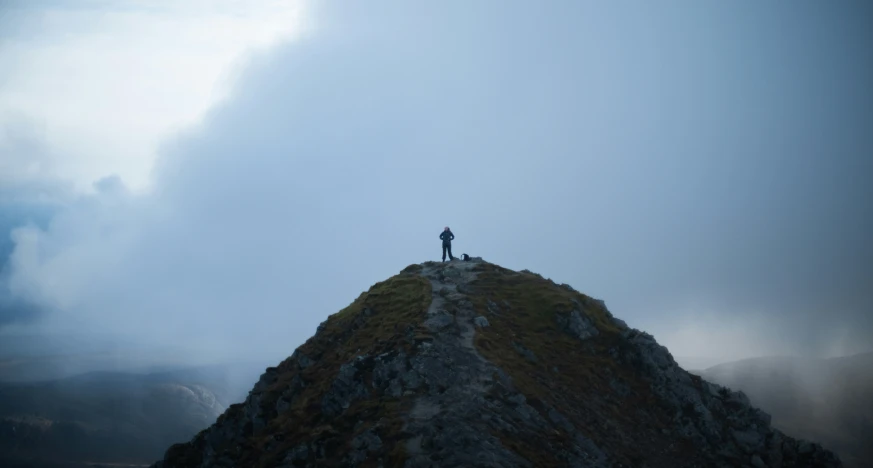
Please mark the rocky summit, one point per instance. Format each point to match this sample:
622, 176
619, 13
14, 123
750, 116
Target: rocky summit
471, 364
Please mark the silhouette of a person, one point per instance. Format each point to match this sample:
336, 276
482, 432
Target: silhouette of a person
447, 237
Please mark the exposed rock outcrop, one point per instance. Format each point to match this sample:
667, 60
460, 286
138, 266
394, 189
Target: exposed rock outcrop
470, 364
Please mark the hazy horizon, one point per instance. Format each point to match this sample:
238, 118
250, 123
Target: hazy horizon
211, 180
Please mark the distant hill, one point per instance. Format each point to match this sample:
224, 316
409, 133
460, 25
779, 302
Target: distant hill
112, 417
471, 364
34, 357
826, 400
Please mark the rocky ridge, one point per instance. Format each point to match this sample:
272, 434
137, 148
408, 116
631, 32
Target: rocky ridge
471, 364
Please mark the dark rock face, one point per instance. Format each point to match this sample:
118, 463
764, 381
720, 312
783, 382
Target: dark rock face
577, 325
827, 400
469, 400
469, 364
712, 415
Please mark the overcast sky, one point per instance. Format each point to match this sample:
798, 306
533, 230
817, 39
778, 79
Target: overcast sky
225, 175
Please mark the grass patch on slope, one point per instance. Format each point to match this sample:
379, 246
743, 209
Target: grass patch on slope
565, 373
527, 307
380, 320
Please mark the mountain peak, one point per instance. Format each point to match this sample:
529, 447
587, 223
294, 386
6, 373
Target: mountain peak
472, 364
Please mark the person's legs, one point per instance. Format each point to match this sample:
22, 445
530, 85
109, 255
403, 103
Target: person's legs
444, 252
450, 252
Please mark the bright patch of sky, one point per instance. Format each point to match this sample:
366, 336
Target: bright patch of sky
103, 83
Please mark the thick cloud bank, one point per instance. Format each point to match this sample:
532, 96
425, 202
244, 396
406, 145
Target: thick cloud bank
655, 157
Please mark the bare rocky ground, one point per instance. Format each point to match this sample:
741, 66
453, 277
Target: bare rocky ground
471, 364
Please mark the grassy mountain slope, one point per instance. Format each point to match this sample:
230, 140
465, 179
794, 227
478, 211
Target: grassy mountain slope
471, 364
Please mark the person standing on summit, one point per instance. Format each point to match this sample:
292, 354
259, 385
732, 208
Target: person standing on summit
447, 237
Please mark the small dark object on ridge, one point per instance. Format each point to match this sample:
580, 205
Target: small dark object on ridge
465, 257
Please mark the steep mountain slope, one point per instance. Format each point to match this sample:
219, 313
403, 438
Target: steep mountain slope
471, 364
827, 400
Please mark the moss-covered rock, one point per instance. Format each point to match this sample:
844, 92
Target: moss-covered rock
471, 364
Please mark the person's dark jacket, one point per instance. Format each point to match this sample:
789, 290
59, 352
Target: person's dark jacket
447, 237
